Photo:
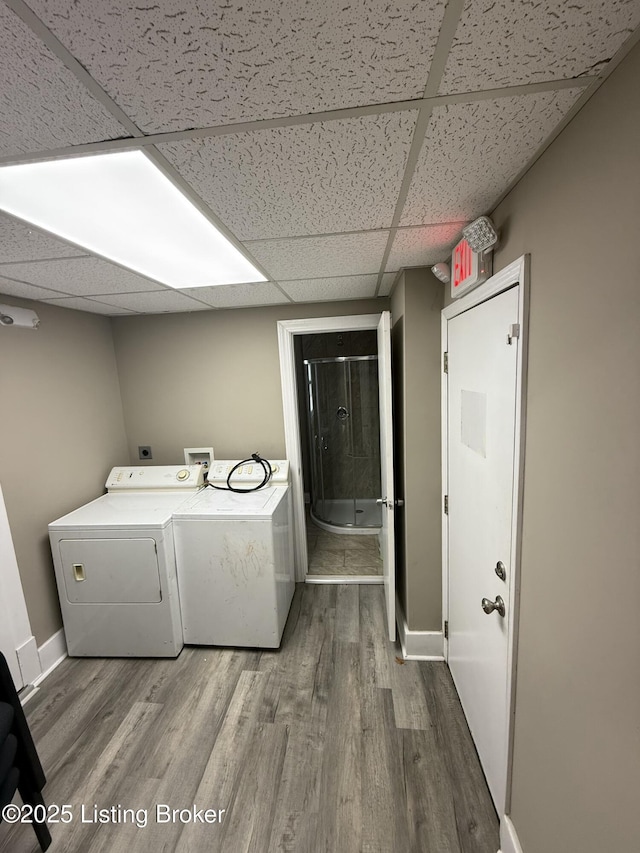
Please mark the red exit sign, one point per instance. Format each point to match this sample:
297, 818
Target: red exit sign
468, 268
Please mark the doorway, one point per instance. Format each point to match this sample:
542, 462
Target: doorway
288, 332
338, 409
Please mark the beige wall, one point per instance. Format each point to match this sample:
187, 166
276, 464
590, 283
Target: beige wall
61, 431
576, 782
416, 304
209, 378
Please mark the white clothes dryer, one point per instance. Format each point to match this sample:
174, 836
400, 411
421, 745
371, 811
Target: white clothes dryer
235, 560
114, 560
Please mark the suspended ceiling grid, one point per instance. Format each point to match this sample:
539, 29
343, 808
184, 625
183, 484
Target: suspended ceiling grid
335, 143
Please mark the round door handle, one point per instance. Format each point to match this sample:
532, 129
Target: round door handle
381, 501
489, 606
399, 502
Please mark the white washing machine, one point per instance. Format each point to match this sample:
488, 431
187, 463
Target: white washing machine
115, 566
235, 560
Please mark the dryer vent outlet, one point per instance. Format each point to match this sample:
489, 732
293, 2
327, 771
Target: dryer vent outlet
144, 452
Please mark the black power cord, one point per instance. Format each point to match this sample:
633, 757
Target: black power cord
255, 457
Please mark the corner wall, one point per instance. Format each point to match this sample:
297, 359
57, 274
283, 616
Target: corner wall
61, 432
576, 774
416, 304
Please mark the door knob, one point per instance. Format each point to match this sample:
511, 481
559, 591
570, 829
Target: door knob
489, 606
399, 502
381, 501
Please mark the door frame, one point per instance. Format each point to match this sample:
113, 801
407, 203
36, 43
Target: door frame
24, 664
515, 273
287, 331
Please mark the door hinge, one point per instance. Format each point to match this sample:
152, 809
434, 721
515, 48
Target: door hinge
445, 362
514, 332
446, 504
446, 629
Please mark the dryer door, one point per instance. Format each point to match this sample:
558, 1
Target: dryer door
110, 571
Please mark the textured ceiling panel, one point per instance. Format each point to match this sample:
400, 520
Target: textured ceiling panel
80, 276
80, 304
21, 242
472, 152
329, 289
238, 295
42, 105
423, 246
311, 179
172, 65
158, 302
318, 257
26, 291
502, 43
388, 280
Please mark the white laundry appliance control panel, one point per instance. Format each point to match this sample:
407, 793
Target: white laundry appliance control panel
155, 478
251, 473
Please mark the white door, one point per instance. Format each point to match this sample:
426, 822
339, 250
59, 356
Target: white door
482, 383
386, 469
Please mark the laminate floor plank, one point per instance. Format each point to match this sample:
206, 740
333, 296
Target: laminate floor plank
298, 794
430, 804
376, 663
384, 807
228, 761
249, 824
347, 613
474, 810
100, 787
303, 666
340, 817
326, 745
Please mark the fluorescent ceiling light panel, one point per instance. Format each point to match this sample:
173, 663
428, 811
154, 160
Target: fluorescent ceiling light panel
123, 207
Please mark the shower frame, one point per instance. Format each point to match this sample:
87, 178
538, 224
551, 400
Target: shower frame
316, 441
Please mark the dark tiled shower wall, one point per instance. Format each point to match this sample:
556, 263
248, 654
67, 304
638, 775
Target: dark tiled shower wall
361, 468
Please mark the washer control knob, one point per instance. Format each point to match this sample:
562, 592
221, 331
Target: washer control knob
182, 475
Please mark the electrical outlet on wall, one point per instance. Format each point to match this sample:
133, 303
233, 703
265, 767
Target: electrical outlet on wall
144, 452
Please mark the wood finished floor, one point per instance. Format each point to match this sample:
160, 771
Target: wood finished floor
329, 744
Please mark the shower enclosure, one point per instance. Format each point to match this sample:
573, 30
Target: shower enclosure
344, 440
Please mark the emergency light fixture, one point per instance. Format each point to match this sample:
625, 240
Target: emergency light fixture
442, 272
480, 234
472, 258
25, 318
122, 207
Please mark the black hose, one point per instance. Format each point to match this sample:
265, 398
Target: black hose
255, 457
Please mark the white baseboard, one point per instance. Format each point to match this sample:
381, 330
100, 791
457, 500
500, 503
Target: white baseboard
52, 652
418, 645
29, 661
509, 842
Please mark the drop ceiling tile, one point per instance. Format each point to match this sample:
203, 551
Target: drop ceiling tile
42, 104
158, 302
238, 295
22, 242
80, 276
321, 257
25, 291
388, 280
423, 246
330, 289
172, 65
504, 43
80, 304
310, 179
473, 151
